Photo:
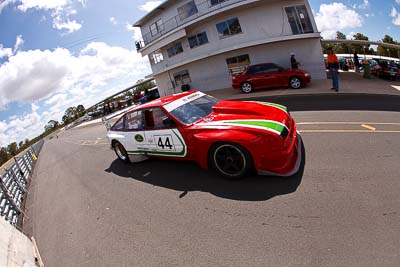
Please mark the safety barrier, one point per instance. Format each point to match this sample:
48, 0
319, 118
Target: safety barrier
14, 183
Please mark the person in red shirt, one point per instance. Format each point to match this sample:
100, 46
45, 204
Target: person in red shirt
333, 66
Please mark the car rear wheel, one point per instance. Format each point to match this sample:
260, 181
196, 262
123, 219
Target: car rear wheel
121, 152
230, 160
295, 83
246, 87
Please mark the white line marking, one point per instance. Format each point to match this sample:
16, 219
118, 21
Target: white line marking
396, 87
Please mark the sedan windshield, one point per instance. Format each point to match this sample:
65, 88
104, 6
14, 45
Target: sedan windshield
195, 110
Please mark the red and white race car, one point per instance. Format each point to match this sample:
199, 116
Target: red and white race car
232, 137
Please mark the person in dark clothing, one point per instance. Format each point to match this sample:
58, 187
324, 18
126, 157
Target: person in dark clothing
356, 62
293, 62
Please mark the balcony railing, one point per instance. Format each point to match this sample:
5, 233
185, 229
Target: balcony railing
203, 8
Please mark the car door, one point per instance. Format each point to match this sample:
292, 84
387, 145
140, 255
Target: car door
133, 134
161, 135
273, 75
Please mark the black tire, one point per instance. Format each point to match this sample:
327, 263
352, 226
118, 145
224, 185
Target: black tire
295, 82
230, 160
121, 152
246, 87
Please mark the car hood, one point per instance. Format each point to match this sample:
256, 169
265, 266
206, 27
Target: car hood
253, 114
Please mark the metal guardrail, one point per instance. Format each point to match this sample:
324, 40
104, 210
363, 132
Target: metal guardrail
14, 183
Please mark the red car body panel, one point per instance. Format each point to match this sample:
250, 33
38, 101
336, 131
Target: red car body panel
274, 151
271, 79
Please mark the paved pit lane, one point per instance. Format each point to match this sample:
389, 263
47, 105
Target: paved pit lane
86, 208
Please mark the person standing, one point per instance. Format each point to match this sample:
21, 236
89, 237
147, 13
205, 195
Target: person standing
293, 61
333, 66
356, 62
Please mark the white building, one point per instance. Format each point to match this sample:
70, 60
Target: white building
202, 42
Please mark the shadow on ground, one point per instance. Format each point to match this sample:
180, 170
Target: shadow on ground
188, 177
335, 101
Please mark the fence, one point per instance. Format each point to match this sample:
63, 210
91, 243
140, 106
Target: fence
14, 182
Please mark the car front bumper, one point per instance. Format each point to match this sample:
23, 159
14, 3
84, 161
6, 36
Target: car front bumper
288, 162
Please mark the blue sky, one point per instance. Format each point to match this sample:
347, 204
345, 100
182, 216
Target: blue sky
60, 53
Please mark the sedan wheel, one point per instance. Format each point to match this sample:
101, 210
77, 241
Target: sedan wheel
121, 152
230, 160
246, 87
295, 83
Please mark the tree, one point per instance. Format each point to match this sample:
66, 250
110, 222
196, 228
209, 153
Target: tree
4, 156
12, 148
338, 48
20, 145
52, 124
388, 52
360, 48
80, 109
147, 85
69, 115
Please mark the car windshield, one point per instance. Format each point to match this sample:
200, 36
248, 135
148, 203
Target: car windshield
195, 110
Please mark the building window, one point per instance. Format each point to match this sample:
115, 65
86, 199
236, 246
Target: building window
182, 77
298, 19
229, 27
156, 57
216, 2
187, 10
156, 27
198, 39
174, 50
237, 64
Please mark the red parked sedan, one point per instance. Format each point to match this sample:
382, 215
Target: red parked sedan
269, 75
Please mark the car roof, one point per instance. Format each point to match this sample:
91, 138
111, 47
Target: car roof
163, 100
261, 64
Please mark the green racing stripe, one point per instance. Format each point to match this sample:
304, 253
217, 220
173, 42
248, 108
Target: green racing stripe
281, 107
268, 125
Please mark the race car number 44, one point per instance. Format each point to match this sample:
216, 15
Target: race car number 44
164, 142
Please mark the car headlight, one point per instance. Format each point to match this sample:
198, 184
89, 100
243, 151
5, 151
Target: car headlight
307, 74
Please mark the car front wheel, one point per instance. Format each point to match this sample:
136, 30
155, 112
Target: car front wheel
246, 88
230, 160
121, 152
295, 83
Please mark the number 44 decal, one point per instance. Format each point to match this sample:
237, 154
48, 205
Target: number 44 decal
164, 142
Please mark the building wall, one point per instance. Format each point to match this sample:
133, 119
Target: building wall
259, 22
212, 73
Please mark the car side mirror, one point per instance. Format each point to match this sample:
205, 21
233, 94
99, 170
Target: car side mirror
167, 122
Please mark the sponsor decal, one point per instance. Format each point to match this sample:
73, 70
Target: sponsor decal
139, 138
181, 101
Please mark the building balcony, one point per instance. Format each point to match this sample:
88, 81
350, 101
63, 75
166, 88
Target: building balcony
206, 7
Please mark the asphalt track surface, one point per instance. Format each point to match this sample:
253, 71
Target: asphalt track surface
86, 208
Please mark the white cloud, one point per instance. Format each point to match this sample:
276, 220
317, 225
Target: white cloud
149, 6
364, 5
5, 52
396, 17
336, 17
68, 25
24, 5
55, 80
34, 107
113, 21
398, 2
61, 11
18, 42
